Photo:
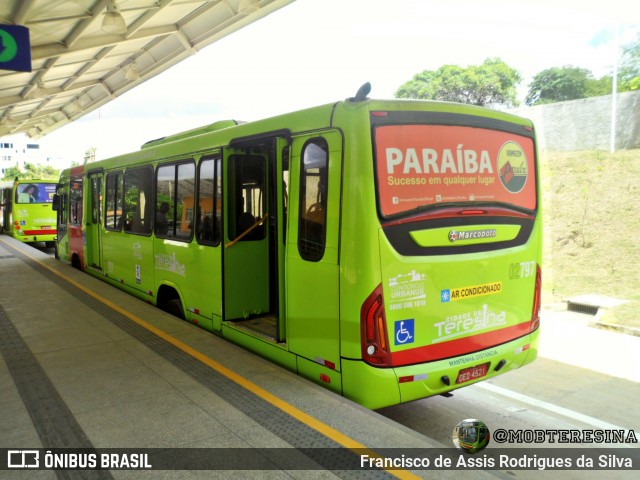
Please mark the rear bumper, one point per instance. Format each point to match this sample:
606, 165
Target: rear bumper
35, 238
380, 387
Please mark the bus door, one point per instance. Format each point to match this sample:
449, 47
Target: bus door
255, 192
94, 220
60, 205
6, 201
312, 263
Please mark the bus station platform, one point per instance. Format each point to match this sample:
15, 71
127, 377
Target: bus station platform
84, 365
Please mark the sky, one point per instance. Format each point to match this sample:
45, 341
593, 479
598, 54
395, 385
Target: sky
313, 52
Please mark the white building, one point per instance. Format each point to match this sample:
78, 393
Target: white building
17, 150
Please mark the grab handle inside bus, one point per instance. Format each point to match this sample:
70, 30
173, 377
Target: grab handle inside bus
246, 232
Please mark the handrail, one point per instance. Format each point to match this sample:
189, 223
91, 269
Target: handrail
246, 232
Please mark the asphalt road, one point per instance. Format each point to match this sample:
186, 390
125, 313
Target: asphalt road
585, 378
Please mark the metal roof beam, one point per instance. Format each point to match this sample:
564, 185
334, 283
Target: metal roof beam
57, 49
67, 34
47, 92
22, 11
85, 68
82, 25
146, 16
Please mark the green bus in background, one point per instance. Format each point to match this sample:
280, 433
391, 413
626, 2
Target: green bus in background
26, 210
472, 435
388, 250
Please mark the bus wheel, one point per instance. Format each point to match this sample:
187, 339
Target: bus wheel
174, 307
75, 262
50, 244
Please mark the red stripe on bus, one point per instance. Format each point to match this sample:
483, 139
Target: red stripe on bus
39, 232
460, 346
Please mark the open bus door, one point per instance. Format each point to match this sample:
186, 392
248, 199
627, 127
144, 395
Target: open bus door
60, 207
312, 264
254, 228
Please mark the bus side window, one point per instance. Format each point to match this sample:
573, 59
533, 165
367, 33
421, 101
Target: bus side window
138, 209
285, 191
96, 207
62, 210
113, 209
312, 224
75, 202
209, 206
175, 195
247, 181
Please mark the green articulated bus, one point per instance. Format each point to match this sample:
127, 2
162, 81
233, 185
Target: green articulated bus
27, 210
388, 250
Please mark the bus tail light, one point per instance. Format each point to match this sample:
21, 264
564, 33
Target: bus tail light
537, 296
373, 326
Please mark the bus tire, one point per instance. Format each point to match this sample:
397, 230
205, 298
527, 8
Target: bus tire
174, 307
75, 262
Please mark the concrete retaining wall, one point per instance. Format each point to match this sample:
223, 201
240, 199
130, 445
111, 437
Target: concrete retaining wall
585, 124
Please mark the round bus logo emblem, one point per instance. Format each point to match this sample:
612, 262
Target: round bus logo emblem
512, 167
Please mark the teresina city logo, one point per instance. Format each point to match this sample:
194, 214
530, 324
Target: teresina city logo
456, 235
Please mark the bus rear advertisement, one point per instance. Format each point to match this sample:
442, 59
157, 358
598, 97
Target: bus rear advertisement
388, 250
27, 213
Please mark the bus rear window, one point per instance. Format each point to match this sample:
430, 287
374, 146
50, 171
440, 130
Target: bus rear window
422, 166
35, 192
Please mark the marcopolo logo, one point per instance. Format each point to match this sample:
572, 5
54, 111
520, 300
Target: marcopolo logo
457, 235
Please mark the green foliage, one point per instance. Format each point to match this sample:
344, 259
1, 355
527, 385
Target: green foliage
492, 83
629, 75
31, 171
559, 84
12, 172
602, 86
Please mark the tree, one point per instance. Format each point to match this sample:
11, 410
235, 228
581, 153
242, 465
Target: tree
489, 84
559, 84
12, 173
602, 86
31, 171
629, 75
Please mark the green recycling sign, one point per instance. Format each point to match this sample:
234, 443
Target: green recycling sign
15, 48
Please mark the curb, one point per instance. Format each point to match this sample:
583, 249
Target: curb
596, 305
598, 323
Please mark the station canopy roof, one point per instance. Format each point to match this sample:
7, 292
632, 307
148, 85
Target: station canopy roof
85, 53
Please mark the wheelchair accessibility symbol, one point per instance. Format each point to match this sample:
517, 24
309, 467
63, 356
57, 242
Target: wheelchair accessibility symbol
404, 331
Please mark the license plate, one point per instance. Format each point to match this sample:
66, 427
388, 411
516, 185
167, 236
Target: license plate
45, 228
472, 373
